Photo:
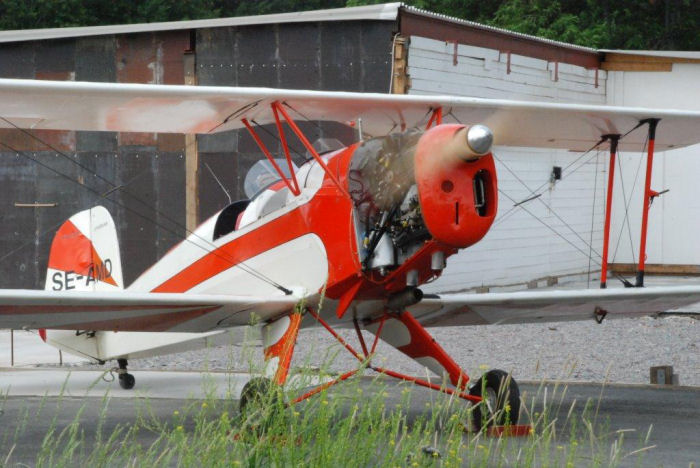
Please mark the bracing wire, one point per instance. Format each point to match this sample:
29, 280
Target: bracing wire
551, 210
544, 223
627, 201
565, 173
590, 242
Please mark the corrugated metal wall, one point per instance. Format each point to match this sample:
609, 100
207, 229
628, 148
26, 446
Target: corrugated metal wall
149, 206
521, 247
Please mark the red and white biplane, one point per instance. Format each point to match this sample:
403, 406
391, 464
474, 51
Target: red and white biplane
358, 229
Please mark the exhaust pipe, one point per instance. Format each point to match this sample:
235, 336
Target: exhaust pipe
399, 301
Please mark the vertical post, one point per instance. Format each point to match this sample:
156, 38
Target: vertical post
645, 202
400, 81
191, 156
614, 139
12, 348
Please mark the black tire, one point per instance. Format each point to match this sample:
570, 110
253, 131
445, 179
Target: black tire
261, 403
127, 381
261, 392
501, 387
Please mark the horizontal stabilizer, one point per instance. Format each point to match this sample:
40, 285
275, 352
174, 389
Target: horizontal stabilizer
130, 311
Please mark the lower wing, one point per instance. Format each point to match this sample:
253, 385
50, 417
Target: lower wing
128, 311
550, 306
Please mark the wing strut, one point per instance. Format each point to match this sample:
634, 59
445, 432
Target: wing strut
614, 139
646, 202
277, 107
435, 117
293, 185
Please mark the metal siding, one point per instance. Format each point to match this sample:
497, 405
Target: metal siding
169, 200
299, 65
341, 54
18, 237
17, 60
55, 56
256, 56
95, 59
520, 248
137, 229
376, 44
216, 65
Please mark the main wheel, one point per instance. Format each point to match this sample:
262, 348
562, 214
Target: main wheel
256, 393
261, 403
127, 381
500, 400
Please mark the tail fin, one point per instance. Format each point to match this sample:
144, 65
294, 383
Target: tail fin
84, 257
85, 254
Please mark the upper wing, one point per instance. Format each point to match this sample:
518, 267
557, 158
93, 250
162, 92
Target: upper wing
128, 311
206, 109
550, 306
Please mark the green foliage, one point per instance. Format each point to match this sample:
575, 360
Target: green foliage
621, 24
604, 24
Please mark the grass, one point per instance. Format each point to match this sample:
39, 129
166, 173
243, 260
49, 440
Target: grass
356, 424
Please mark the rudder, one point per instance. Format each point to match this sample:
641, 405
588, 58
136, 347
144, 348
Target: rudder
84, 256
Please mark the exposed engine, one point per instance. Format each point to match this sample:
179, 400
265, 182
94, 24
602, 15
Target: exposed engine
417, 185
388, 214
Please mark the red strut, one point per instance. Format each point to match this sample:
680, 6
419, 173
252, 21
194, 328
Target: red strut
614, 139
645, 203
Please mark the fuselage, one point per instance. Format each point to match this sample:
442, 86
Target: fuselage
412, 204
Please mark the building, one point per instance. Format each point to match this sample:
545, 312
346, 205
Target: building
165, 183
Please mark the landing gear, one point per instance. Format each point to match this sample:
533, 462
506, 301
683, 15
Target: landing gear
501, 400
126, 380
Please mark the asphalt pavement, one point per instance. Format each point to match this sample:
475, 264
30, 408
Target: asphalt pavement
39, 399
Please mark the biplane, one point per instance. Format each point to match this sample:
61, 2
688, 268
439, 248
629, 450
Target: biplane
345, 240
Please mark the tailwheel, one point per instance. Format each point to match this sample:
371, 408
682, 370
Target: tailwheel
126, 380
500, 403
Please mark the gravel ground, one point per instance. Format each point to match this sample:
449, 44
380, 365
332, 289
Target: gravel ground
619, 351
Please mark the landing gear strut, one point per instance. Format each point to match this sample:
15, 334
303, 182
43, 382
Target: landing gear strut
126, 380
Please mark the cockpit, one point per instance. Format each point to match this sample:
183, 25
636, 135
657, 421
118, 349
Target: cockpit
267, 193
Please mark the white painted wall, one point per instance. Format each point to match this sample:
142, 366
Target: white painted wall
519, 248
674, 219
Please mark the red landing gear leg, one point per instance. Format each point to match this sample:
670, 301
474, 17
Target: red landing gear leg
405, 333
279, 339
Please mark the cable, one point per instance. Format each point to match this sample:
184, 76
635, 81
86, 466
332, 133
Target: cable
546, 225
548, 206
595, 191
627, 204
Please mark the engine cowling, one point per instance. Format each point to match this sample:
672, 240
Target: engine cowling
457, 186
